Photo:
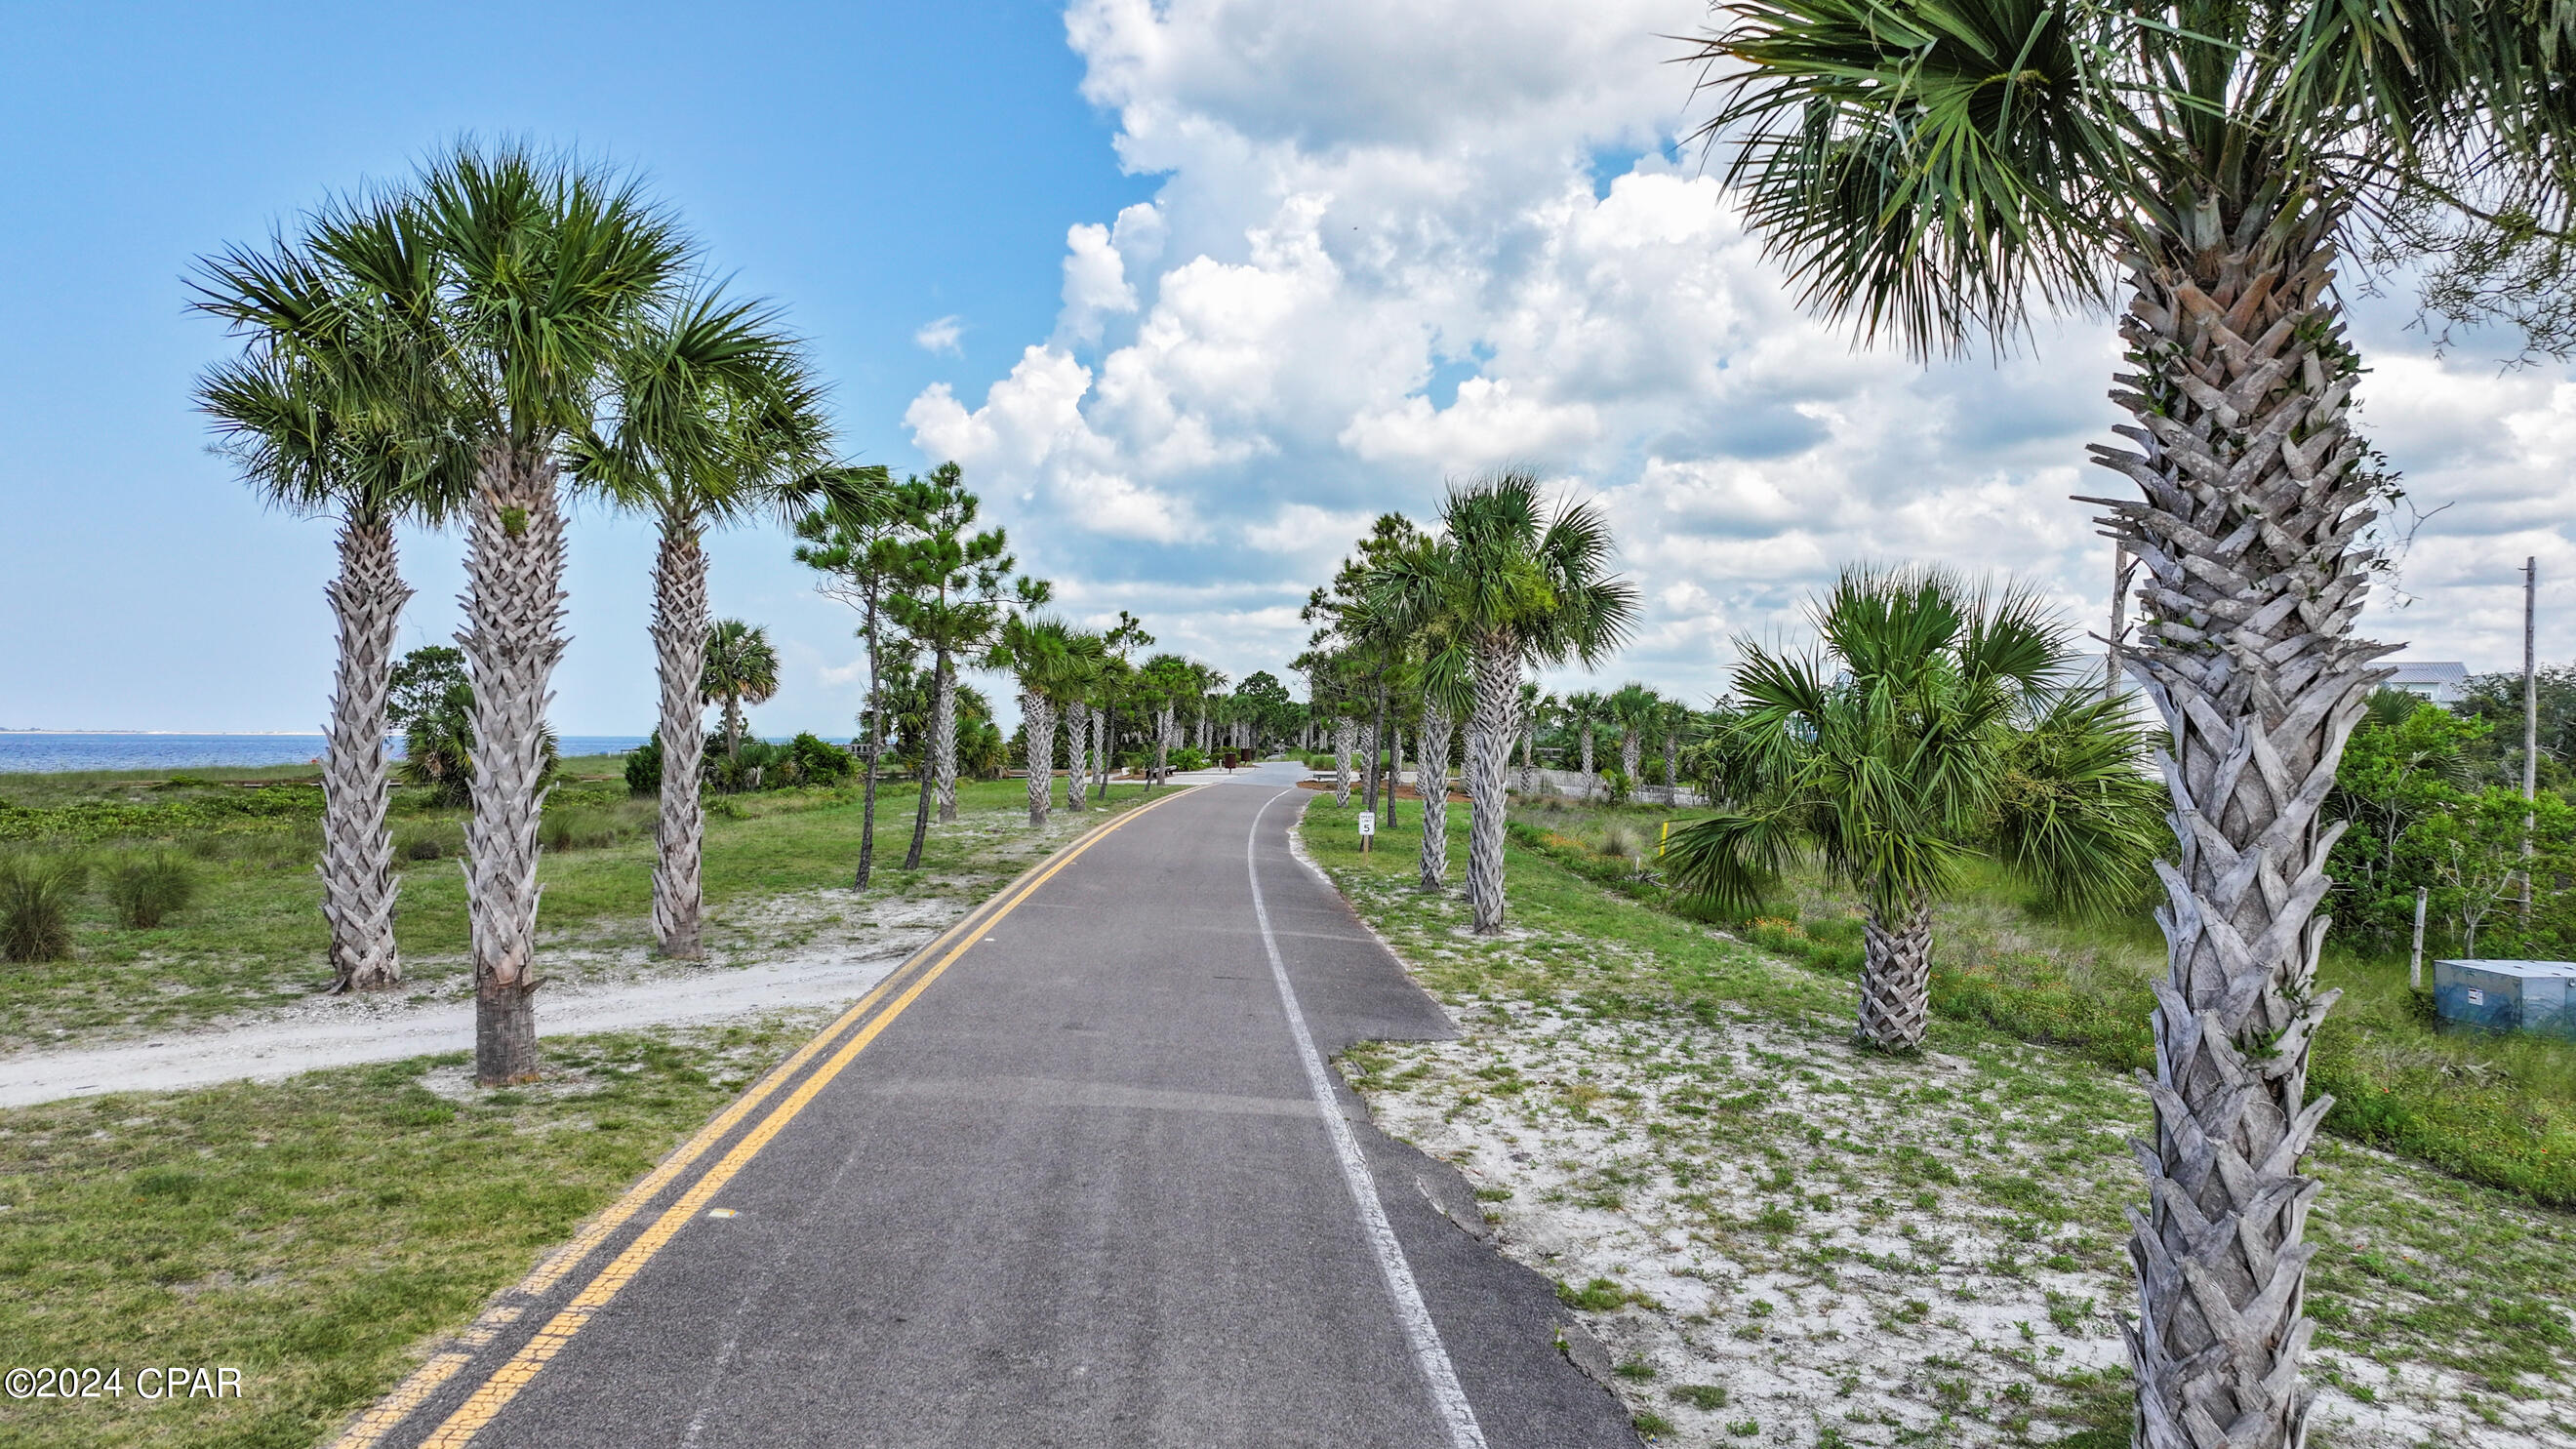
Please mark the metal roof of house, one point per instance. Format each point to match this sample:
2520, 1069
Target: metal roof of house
2429, 671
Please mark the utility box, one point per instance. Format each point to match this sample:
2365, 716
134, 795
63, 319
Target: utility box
2533, 996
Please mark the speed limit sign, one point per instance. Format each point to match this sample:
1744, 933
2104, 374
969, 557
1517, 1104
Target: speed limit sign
1368, 828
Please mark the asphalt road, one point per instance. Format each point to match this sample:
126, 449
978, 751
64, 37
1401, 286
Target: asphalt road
1064, 1179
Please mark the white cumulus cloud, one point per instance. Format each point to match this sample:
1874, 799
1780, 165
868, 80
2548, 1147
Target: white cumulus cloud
940, 334
1394, 245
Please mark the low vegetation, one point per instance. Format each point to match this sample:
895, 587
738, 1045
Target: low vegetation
248, 933
313, 1234
2500, 1111
1782, 1238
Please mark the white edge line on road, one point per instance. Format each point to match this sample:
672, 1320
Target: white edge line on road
1438, 1374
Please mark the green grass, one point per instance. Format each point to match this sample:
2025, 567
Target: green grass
311, 1234
2495, 1110
255, 936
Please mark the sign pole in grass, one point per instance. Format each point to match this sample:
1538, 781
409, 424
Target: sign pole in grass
2415, 958
1368, 829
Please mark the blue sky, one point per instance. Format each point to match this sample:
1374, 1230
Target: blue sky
871, 168
1192, 289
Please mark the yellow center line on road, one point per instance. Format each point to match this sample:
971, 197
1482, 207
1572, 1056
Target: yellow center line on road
415, 1390
496, 1392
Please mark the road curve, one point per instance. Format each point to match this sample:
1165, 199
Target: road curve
1063, 1179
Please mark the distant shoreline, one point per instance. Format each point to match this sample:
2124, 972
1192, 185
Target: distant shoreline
50, 752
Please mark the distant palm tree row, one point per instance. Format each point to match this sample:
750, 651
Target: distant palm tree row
1937, 721
1454, 618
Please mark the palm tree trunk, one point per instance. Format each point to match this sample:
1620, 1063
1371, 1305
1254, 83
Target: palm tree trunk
2246, 533
1104, 734
1672, 765
1077, 729
1498, 680
1370, 758
358, 885
1587, 756
1381, 744
1342, 761
1394, 773
1632, 757
1431, 770
943, 738
1163, 745
876, 750
1037, 732
733, 726
514, 609
680, 646
923, 776
1896, 978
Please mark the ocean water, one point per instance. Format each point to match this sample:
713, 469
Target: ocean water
40, 752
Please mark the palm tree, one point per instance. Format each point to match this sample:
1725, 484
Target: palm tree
949, 600
1447, 692
1675, 720
739, 667
1539, 710
1212, 683
1077, 684
1038, 650
1635, 709
1583, 712
716, 418
1887, 754
850, 538
1164, 681
325, 413
1942, 172
1514, 587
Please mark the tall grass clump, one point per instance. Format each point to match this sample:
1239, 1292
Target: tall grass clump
589, 827
430, 840
148, 889
37, 892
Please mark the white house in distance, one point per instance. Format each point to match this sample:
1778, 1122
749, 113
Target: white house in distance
2443, 681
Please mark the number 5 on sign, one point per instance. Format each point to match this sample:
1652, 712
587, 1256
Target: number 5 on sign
1368, 829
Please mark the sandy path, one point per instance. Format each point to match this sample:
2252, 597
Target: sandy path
351, 1031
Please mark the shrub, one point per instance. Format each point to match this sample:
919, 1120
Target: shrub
757, 765
1189, 757
1320, 762
577, 827
644, 766
430, 840
817, 761
36, 895
1617, 785
148, 889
